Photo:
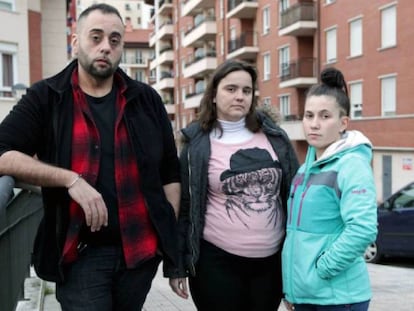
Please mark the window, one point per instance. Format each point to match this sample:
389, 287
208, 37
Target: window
266, 20
199, 87
267, 101
139, 75
233, 40
183, 93
331, 45
355, 31
153, 75
138, 57
356, 99
266, 66
221, 9
127, 7
284, 60
389, 26
139, 21
283, 5
284, 106
7, 5
221, 44
8, 69
388, 95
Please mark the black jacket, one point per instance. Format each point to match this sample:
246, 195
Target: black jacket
41, 124
194, 160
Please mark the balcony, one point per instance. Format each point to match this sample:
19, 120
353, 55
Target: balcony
202, 64
299, 74
242, 9
299, 20
165, 7
193, 100
205, 30
244, 47
164, 32
194, 7
134, 62
170, 108
166, 81
166, 57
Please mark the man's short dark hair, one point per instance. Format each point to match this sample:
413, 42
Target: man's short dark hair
103, 7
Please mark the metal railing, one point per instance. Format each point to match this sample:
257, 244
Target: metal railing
20, 214
302, 11
303, 67
235, 3
247, 38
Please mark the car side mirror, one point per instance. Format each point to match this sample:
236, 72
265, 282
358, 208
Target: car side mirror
387, 205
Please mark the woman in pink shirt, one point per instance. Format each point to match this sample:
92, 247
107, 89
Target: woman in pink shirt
236, 168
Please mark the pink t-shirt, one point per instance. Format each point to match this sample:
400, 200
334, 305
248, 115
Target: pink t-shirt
244, 211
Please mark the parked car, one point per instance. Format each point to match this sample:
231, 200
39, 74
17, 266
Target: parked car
395, 227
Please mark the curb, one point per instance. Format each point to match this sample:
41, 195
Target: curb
34, 292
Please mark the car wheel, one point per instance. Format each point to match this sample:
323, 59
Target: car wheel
372, 253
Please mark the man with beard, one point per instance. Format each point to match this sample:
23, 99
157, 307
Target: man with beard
101, 147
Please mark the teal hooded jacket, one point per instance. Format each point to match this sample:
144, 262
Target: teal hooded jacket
332, 218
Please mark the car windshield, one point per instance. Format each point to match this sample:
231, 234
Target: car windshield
405, 199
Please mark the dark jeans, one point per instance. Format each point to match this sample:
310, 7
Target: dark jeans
99, 281
361, 306
226, 282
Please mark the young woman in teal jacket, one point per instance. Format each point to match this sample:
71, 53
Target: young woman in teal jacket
332, 213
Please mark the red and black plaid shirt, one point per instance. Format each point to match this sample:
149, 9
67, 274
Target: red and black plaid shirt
139, 240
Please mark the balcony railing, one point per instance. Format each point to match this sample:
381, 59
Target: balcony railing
20, 215
162, 2
304, 11
301, 68
200, 56
246, 39
199, 22
166, 74
132, 60
232, 4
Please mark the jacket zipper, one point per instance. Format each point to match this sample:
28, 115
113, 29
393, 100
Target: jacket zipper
301, 205
295, 186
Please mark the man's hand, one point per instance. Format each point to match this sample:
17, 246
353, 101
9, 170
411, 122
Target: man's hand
92, 203
179, 286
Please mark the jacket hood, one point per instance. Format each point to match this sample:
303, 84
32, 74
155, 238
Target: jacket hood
351, 141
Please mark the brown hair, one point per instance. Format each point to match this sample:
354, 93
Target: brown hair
333, 84
208, 110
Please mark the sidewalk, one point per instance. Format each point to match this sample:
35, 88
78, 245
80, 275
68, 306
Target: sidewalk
393, 289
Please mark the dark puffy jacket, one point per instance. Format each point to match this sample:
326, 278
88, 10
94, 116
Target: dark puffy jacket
41, 124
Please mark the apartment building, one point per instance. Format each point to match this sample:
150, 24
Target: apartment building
135, 12
137, 54
290, 42
32, 45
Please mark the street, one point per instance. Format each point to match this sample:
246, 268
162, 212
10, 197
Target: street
392, 286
